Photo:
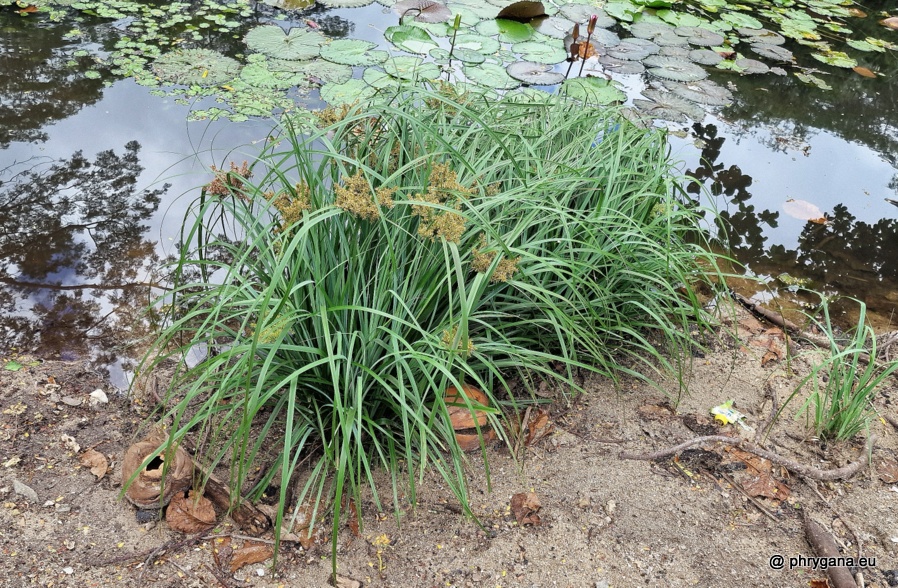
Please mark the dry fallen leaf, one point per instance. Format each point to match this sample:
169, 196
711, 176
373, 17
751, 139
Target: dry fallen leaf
887, 468
96, 461
538, 426
764, 485
819, 584
345, 582
250, 553
654, 412
189, 514
222, 552
804, 210
863, 71
524, 506
891, 22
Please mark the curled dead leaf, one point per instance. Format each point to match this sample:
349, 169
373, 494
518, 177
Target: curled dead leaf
765, 485
96, 461
192, 514
538, 427
250, 553
891, 22
524, 507
146, 490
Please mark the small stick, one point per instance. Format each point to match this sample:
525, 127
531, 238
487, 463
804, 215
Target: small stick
825, 546
799, 468
752, 499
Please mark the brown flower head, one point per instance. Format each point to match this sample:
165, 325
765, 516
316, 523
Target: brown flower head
227, 182
355, 197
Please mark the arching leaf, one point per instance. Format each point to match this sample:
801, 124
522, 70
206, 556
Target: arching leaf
410, 38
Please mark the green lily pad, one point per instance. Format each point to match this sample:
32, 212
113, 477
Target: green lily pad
775, 52
353, 52
297, 44
406, 67
479, 43
467, 55
813, 80
621, 66
540, 52
509, 31
701, 92
700, 36
380, 79
650, 30
345, 3
482, 10
705, 57
678, 51
622, 10
765, 36
751, 66
740, 19
595, 91
673, 68
423, 10
349, 92
678, 18
836, 58
258, 75
410, 39
581, 13
195, 67
633, 49
535, 74
669, 107
554, 26
326, 71
491, 75
865, 46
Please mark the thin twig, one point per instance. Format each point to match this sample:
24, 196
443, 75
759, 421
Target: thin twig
764, 429
752, 499
168, 545
799, 468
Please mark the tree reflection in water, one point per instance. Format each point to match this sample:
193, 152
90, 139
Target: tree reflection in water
74, 259
843, 256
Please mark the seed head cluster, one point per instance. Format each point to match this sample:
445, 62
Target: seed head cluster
355, 197
443, 188
482, 261
290, 204
228, 182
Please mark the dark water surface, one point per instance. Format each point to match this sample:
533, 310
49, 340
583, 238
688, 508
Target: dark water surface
96, 174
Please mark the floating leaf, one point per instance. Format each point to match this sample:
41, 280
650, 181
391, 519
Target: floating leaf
581, 13
622, 10
865, 72
297, 44
535, 74
540, 52
814, 80
326, 71
804, 210
865, 46
258, 75
705, 57
700, 36
678, 51
345, 3
195, 67
621, 66
349, 92
765, 36
554, 26
410, 38
380, 79
523, 11
423, 10
478, 8
751, 66
672, 68
701, 92
407, 67
739, 19
634, 49
509, 31
353, 52
479, 43
679, 19
836, 58
491, 75
775, 52
668, 106
890, 22
650, 30
595, 91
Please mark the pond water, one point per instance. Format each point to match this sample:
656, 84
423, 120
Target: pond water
99, 161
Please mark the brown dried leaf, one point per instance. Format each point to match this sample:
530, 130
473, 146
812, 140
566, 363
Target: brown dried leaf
524, 506
819, 584
523, 11
865, 72
891, 22
250, 553
654, 412
764, 485
887, 468
96, 461
752, 462
345, 582
751, 324
804, 210
190, 515
222, 552
538, 427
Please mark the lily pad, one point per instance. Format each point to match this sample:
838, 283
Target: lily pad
540, 52
535, 74
195, 67
678, 51
509, 31
621, 66
482, 10
554, 26
349, 92
581, 13
406, 67
700, 36
765, 36
813, 80
410, 39
423, 10
380, 79
297, 44
258, 75
701, 92
479, 43
491, 75
595, 91
741, 20
650, 30
751, 66
672, 68
775, 52
705, 57
865, 46
603, 37
353, 52
459, 53
325, 71
521, 11
345, 3
633, 49
669, 40
669, 107
836, 58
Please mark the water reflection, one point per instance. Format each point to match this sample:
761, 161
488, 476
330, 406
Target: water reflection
74, 258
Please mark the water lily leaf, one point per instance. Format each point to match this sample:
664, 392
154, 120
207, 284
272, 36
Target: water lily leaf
865, 72
667, 101
739, 19
349, 92
345, 3
837, 28
482, 10
195, 67
380, 79
353, 52
701, 92
836, 58
554, 26
679, 51
670, 39
633, 49
804, 210
865, 46
622, 10
581, 13
700, 36
491, 75
406, 67
479, 43
813, 80
459, 53
535, 74
705, 57
679, 19
410, 39
603, 37
650, 30
326, 71
522, 11
509, 31
672, 68
258, 75
775, 52
541, 52
751, 66
423, 10
297, 44
594, 91
621, 66
765, 36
